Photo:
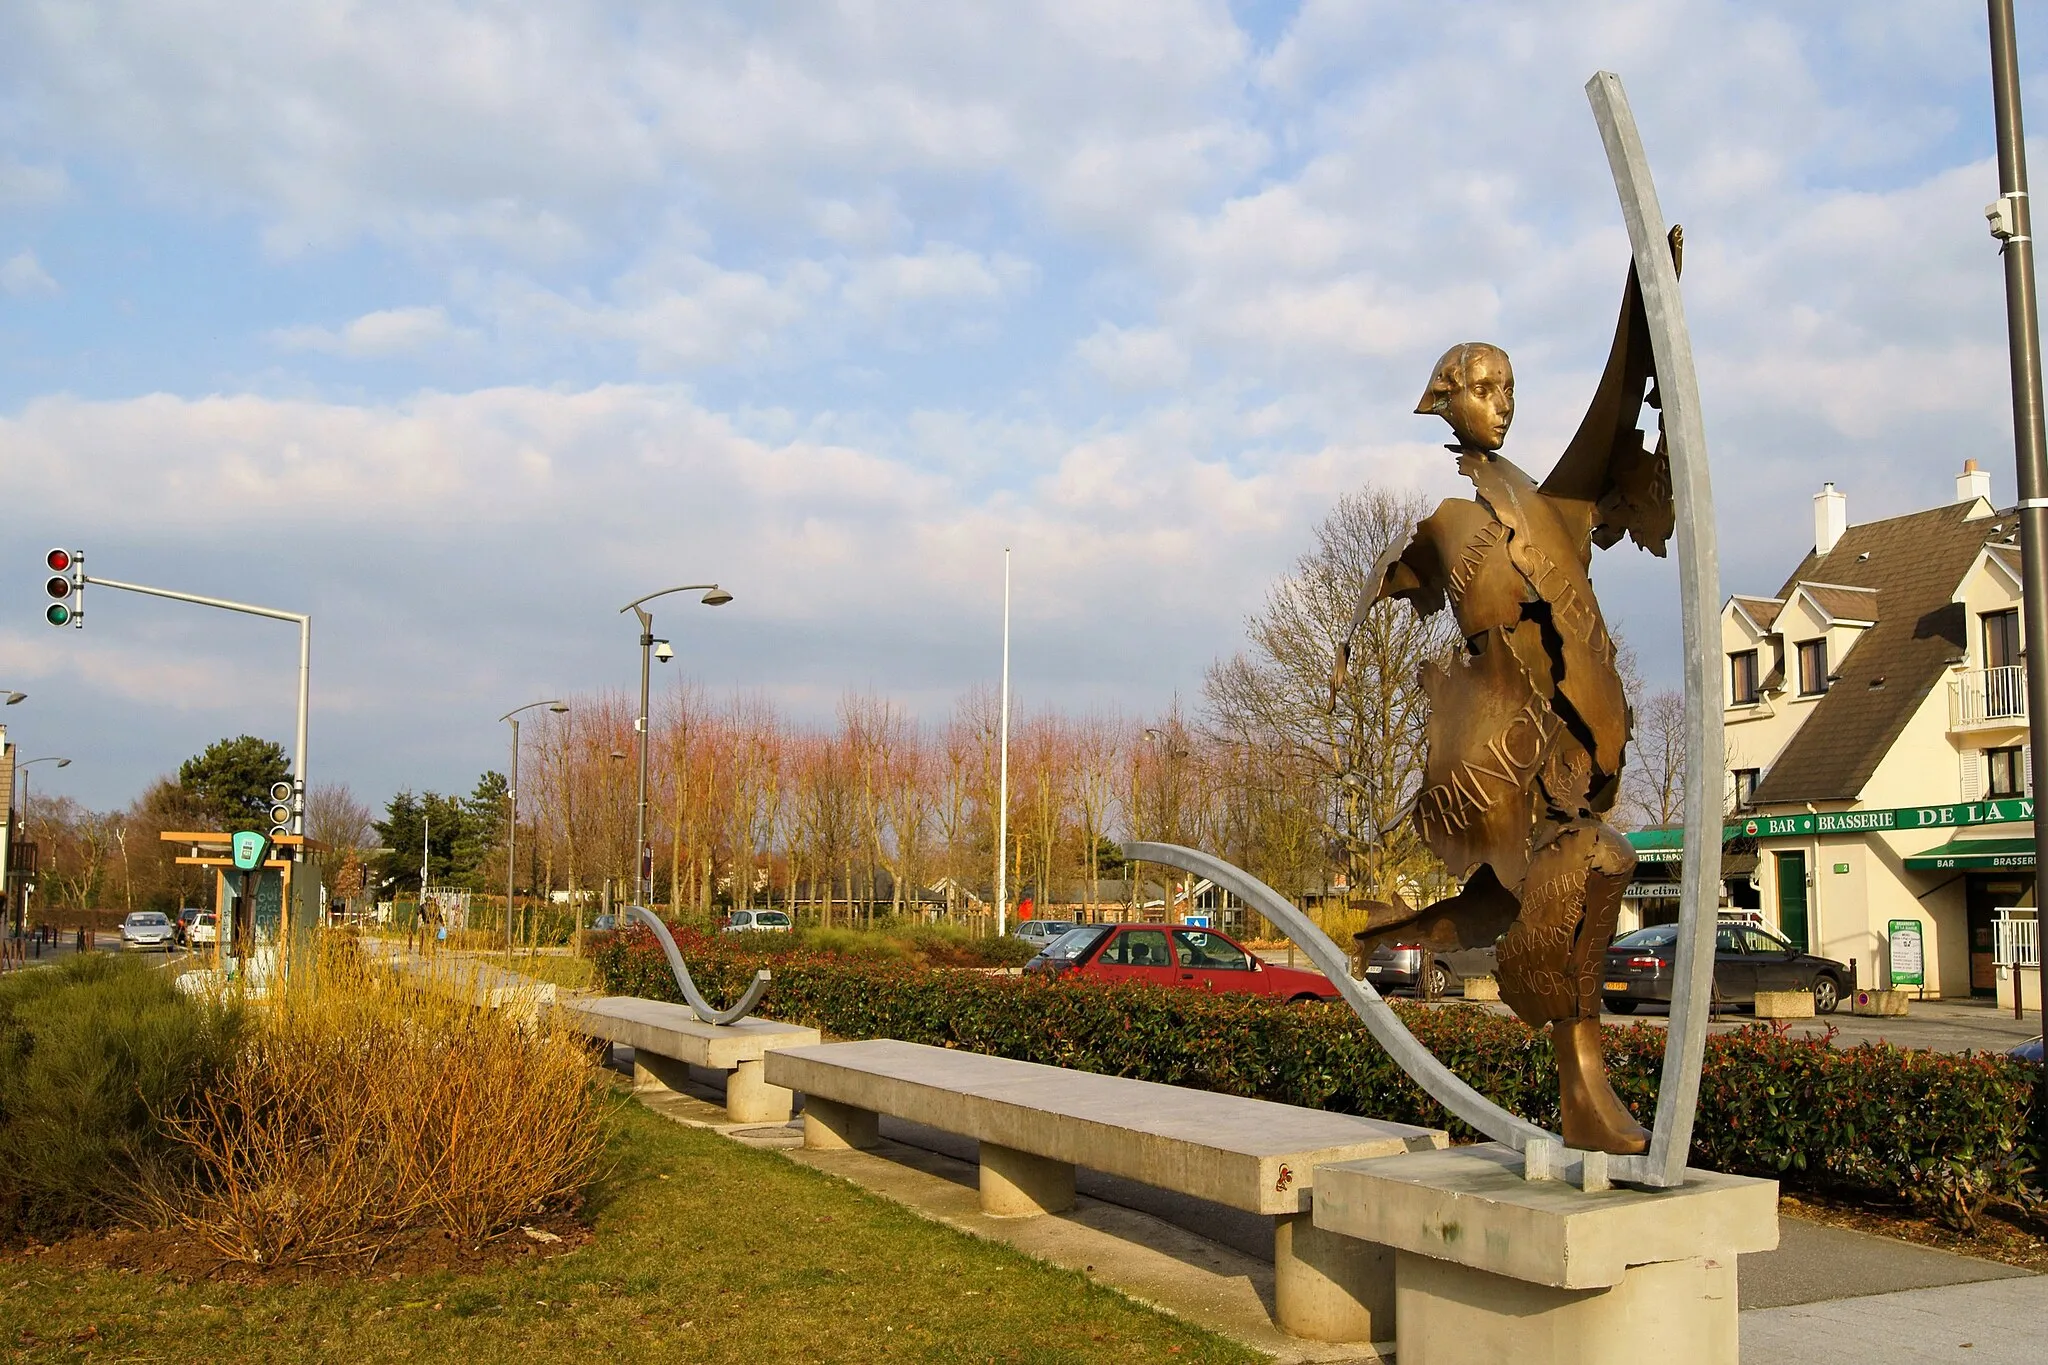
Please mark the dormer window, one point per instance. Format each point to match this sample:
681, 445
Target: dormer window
1813, 667
1742, 678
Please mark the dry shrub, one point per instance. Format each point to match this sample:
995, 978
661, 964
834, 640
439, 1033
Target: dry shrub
370, 1103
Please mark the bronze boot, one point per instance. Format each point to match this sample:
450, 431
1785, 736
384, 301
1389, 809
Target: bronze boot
1595, 1119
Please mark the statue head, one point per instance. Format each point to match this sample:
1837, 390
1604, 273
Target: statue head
1473, 388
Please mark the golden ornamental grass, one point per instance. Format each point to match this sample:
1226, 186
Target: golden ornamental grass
371, 1103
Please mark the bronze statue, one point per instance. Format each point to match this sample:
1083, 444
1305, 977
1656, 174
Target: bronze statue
1528, 725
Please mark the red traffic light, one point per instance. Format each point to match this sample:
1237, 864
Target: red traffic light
58, 560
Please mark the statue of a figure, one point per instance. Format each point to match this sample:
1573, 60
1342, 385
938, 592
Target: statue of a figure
1528, 724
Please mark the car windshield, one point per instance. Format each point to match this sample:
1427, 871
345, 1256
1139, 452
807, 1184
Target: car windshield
1656, 936
1075, 943
778, 918
147, 919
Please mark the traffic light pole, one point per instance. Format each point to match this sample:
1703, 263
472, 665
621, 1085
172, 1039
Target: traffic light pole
305, 624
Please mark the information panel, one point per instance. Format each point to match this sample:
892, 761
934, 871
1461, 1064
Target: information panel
1909, 962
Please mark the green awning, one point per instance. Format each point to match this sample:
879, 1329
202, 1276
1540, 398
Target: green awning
1974, 854
1664, 844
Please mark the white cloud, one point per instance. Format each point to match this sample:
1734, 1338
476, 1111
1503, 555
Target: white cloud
376, 336
1134, 357
26, 186
23, 275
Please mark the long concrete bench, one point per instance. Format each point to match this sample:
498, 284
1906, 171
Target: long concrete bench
667, 1039
1035, 1124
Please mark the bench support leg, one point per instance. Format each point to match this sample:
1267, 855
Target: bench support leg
1017, 1184
831, 1126
750, 1099
655, 1075
1329, 1287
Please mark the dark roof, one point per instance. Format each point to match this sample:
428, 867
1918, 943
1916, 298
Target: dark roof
1914, 563
1762, 610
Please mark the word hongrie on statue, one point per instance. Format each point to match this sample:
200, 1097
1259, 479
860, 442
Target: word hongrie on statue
1528, 724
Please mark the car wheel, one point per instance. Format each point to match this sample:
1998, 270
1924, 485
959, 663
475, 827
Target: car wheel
1622, 1006
1440, 980
1305, 999
1827, 993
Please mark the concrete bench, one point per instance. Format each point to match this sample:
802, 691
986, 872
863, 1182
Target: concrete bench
667, 1039
1035, 1124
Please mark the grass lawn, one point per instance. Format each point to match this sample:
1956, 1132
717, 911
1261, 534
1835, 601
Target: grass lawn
705, 1251
559, 969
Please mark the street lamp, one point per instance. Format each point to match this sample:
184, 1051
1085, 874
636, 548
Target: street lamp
13, 697
21, 914
714, 596
512, 798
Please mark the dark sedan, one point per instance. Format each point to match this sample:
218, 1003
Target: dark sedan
1747, 959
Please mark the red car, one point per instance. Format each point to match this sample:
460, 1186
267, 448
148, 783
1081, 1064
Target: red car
1174, 955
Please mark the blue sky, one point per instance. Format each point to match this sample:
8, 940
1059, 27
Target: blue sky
458, 325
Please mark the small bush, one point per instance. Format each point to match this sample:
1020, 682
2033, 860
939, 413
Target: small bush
91, 1050
368, 1104
1944, 1132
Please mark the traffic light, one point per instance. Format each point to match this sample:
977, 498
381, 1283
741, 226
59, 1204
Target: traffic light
280, 807
65, 587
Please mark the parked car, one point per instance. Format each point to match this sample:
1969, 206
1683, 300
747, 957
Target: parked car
149, 929
205, 930
1747, 959
1039, 932
2029, 1051
604, 924
183, 923
1398, 966
747, 921
1174, 955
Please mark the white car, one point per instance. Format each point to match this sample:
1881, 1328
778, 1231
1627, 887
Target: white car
149, 929
744, 921
205, 929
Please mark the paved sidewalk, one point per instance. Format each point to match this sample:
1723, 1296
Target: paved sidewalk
1994, 1322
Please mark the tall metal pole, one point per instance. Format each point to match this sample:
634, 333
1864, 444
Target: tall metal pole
511, 835
1003, 770
640, 891
2014, 228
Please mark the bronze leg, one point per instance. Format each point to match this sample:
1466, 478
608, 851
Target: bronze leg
1550, 966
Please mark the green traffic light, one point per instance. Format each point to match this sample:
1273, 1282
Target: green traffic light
58, 614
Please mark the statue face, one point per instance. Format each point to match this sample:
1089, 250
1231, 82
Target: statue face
1480, 409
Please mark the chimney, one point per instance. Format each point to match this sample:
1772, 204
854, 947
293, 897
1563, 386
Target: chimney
1830, 518
1973, 483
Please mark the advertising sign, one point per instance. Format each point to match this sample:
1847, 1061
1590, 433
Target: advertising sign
249, 849
1909, 965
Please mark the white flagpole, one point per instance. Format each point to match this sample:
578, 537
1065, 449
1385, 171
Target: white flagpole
1003, 768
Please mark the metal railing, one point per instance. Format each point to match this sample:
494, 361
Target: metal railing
2016, 942
1988, 696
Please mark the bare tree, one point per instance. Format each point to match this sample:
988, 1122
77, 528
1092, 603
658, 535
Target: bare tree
1653, 782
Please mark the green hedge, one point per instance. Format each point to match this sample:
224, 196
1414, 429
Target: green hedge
1931, 1129
93, 1051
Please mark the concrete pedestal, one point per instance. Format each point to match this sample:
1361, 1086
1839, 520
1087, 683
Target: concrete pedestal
1784, 1004
1881, 1004
750, 1099
829, 1125
1668, 1312
1490, 1266
1017, 1184
1329, 1287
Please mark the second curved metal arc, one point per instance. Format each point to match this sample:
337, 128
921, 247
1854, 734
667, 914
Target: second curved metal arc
697, 1002
1380, 1020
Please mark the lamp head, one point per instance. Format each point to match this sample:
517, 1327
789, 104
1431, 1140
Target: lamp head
13, 697
63, 762
717, 597
664, 651
558, 708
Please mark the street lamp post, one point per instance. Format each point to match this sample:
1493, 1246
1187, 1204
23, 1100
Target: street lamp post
512, 799
714, 596
22, 768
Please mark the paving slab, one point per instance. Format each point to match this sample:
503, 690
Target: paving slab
1992, 1322
1815, 1262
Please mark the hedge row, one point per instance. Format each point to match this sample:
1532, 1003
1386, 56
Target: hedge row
1935, 1130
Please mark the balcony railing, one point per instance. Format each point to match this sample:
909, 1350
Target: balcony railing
2016, 942
1988, 697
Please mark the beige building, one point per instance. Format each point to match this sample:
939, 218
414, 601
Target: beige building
1877, 745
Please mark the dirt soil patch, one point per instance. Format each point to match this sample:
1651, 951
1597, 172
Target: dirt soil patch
2006, 1235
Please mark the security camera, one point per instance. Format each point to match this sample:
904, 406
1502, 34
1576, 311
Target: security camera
663, 652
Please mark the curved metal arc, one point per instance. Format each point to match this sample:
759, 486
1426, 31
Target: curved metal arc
1699, 598
755, 988
1380, 1020
687, 587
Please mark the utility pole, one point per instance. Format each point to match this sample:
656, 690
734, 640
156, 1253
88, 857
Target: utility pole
1003, 770
2012, 223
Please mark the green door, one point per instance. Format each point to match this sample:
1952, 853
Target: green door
1792, 898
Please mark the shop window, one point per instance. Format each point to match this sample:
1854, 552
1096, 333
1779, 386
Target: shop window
1745, 787
1742, 678
2005, 772
1813, 667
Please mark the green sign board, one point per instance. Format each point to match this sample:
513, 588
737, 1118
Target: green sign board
1909, 959
249, 850
1883, 821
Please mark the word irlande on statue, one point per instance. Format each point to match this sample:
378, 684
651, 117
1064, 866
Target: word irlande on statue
1868, 821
